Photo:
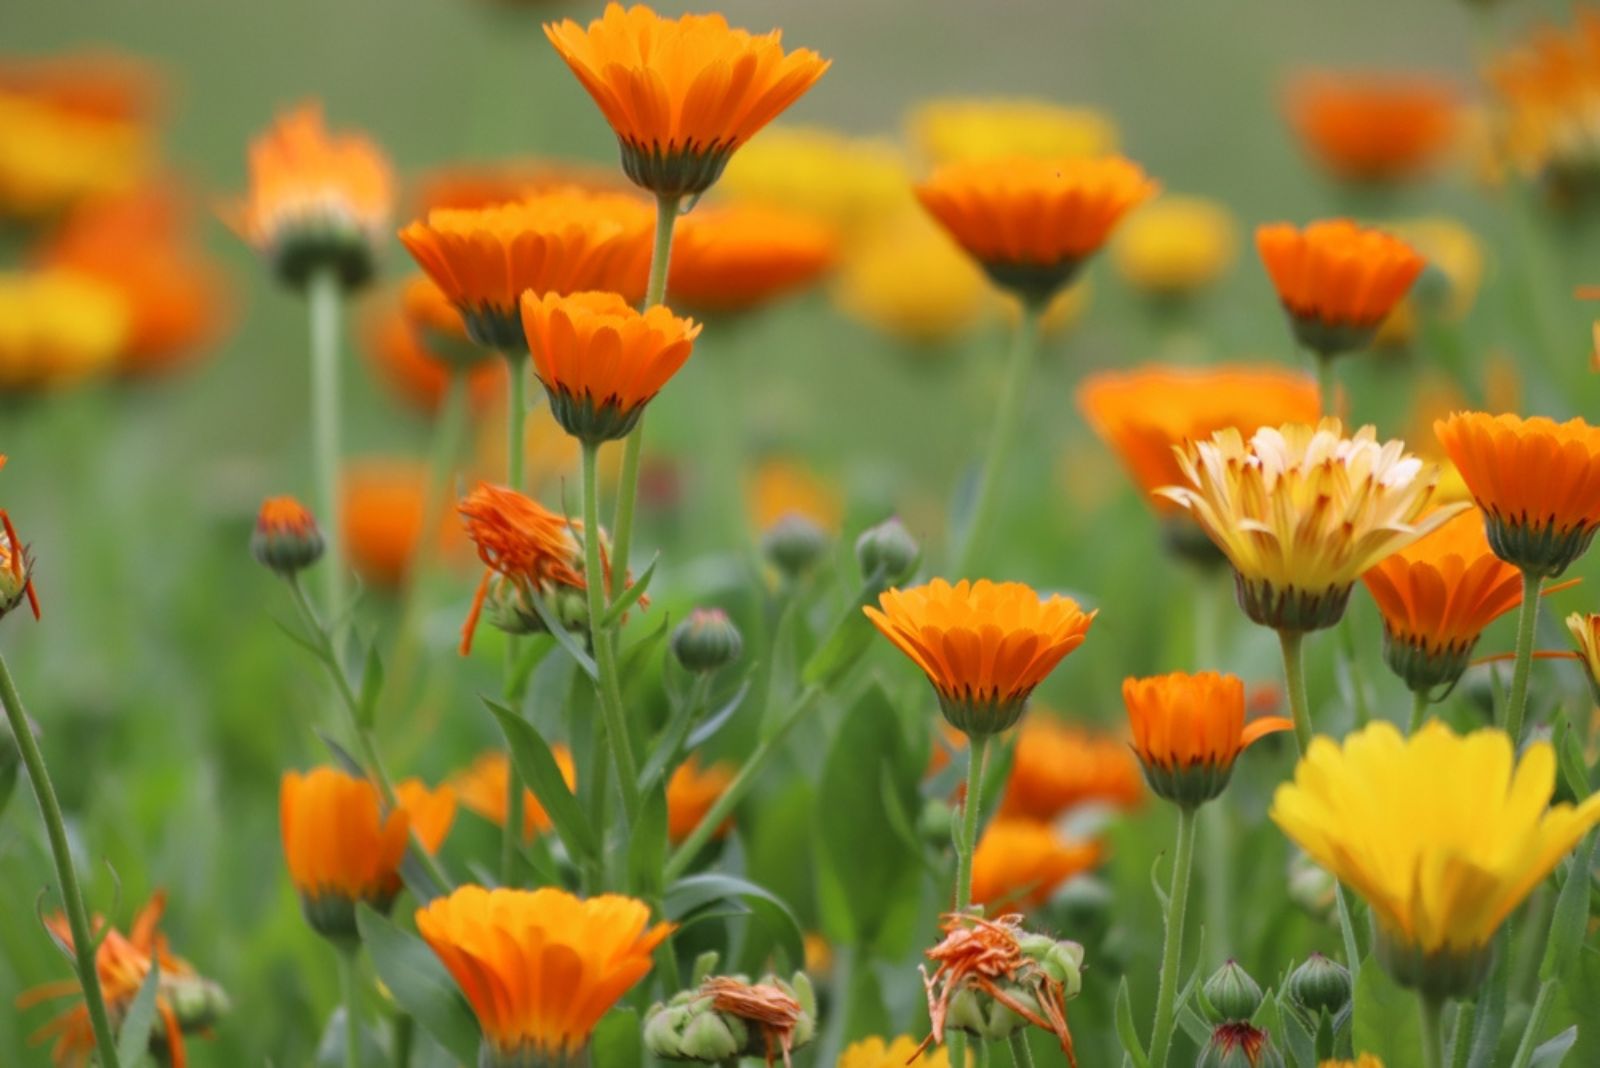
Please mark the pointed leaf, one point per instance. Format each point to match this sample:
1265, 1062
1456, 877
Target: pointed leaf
371, 688
563, 637
715, 722
1554, 1050
133, 1040
537, 766
420, 985
630, 596
1387, 1022
694, 892
1126, 1031
1570, 920
647, 844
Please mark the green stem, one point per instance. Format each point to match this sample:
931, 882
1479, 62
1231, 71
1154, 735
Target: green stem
1527, 624
516, 417
1216, 821
352, 1026
1347, 932
1294, 675
1530, 1033
83, 940
1419, 710
1172, 944
405, 1030
1002, 442
1432, 1030
325, 296
1461, 1040
1021, 1055
724, 805
516, 420
604, 652
1327, 384
977, 755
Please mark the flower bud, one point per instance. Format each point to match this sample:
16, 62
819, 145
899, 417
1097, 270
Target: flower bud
888, 551
937, 821
197, 1003
1061, 961
794, 544
1320, 984
1238, 1045
706, 641
726, 1017
1311, 887
286, 537
1231, 994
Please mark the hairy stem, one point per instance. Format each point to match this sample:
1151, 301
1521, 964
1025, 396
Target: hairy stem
1002, 441
1172, 944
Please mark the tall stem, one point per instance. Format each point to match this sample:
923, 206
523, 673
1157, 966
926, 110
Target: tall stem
1419, 710
1527, 623
1432, 1030
1172, 945
352, 1000
83, 944
516, 417
977, 754
1003, 440
1530, 1033
1294, 677
325, 296
604, 653
1327, 384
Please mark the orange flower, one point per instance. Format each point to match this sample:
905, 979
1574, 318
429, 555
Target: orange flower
410, 353
139, 244
601, 360
731, 258
1549, 87
566, 241
16, 567
382, 522
1020, 862
316, 201
1537, 481
1436, 595
1032, 224
1374, 128
682, 94
983, 645
784, 489
485, 185
530, 548
1189, 729
1338, 281
286, 538
540, 967
430, 812
340, 846
485, 787
691, 791
1056, 766
122, 964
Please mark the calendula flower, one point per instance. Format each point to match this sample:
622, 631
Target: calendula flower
1336, 280
341, 847
565, 241
56, 328
983, 645
1302, 512
1448, 285
704, 642
849, 184
417, 356
16, 567
487, 184
1364, 1060
1537, 481
1242, 1044
1443, 835
185, 1002
727, 1018
682, 94
316, 201
1175, 246
485, 788
140, 245
691, 791
729, 259
780, 489
876, 1053
910, 281
286, 538
527, 547
1548, 88
1373, 128
430, 811
1031, 224
1056, 766
539, 967
954, 129
383, 528
1585, 631
72, 127
1189, 729
1436, 596
1020, 862
601, 360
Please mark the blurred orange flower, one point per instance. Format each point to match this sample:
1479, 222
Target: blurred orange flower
430, 812
779, 489
411, 355
731, 258
1549, 89
1337, 280
485, 787
381, 505
1056, 766
341, 848
486, 185
691, 791
1020, 862
1373, 127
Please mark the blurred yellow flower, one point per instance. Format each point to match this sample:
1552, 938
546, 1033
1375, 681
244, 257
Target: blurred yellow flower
781, 489
1448, 285
953, 129
1065, 309
913, 283
57, 327
1175, 245
1365, 1060
896, 1053
851, 183
1443, 835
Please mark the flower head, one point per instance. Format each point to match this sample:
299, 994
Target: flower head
727, 1018
382, 524
910, 281
57, 327
1057, 766
1336, 280
874, 1052
1020, 862
539, 967
1549, 87
1031, 224
1436, 596
484, 788
430, 811
1301, 512
565, 241
983, 645
1585, 631
848, 184
1175, 246
728, 259
525, 544
316, 201
1373, 128
16, 568
1189, 729
682, 94
415, 349
1537, 481
956, 129
691, 791
601, 360
287, 538
341, 847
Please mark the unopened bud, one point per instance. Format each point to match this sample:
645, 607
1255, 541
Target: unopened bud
1232, 995
725, 1018
706, 641
887, 550
1311, 887
793, 544
1239, 1045
1060, 960
286, 537
1320, 984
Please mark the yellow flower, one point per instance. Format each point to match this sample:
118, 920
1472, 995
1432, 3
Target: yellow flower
783, 489
913, 283
876, 1053
1585, 631
851, 183
1175, 245
1449, 282
952, 129
1302, 511
57, 327
1443, 835
1365, 1060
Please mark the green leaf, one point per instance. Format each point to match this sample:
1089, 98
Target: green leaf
342, 756
1553, 1051
1571, 917
849, 637
1298, 1040
693, 892
371, 687
1197, 1029
618, 1039
1569, 752
715, 722
630, 596
419, 984
647, 843
133, 1040
563, 637
1387, 1020
538, 768
1125, 1028
1492, 1006
628, 663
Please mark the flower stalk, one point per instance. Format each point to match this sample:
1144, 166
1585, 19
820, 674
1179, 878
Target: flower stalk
1172, 942
1432, 1030
616, 723
1294, 677
1003, 439
516, 417
352, 999
978, 752
325, 297
1527, 624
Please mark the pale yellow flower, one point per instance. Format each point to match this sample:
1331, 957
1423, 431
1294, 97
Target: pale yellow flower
954, 129
897, 1053
57, 327
1175, 245
851, 183
913, 283
1448, 285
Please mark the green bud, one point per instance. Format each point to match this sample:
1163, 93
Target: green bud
1232, 995
937, 821
1238, 1045
197, 1003
1320, 984
286, 539
1311, 887
793, 544
690, 1028
1061, 961
505, 610
711, 1036
887, 550
706, 641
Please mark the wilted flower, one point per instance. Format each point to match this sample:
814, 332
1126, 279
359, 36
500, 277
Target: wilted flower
525, 544
728, 1017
